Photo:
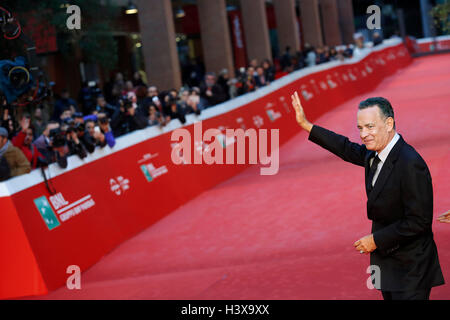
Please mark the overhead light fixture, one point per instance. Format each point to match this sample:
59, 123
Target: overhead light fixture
131, 8
180, 13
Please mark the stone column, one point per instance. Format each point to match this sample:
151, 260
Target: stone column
346, 20
310, 20
330, 22
256, 30
287, 26
427, 20
159, 47
215, 34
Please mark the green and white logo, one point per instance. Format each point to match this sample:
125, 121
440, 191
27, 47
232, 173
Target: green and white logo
146, 173
46, 212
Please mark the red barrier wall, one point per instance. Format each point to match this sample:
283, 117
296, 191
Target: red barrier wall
426, 45
106, 201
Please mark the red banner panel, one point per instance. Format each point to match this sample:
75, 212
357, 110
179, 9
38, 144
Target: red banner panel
237, 34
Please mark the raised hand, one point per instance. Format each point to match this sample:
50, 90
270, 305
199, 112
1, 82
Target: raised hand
299, 113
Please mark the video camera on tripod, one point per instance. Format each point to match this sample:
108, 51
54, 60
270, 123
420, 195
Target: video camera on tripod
21, 80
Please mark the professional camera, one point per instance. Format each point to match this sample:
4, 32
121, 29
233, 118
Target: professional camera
127, 104
15, 78
58, 138
94, 89
103, 120
77, 127
21, 80
9, 25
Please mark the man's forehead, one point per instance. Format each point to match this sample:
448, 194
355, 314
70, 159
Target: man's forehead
369, 113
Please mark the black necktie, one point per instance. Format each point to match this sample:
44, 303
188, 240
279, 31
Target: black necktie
372, 170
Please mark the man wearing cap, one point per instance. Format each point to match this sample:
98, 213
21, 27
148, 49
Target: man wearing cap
17, 162
400, 200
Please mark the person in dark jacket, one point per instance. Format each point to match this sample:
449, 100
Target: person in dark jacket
53, 145
126, 119
17, 162
211, 92
63, 104
403, 254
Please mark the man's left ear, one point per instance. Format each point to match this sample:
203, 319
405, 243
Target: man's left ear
390, 123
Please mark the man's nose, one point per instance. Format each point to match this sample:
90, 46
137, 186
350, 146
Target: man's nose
363, 134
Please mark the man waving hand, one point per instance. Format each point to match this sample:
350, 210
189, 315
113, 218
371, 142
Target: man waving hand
399, 199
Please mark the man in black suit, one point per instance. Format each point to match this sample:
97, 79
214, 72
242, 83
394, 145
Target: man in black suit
400, 200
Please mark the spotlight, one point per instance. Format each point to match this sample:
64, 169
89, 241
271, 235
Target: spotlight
131, 8
180, 13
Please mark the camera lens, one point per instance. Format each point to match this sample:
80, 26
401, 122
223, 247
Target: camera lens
19, 76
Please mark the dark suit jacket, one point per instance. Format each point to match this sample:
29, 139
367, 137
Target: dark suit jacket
401, 209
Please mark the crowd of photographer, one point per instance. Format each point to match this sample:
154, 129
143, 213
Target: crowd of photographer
55, 131
77, 127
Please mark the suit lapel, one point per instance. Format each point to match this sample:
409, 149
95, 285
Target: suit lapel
385, 171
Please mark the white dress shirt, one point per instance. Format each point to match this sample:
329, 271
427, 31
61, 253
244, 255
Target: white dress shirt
383, 156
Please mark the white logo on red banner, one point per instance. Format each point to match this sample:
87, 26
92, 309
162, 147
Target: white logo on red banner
119, 185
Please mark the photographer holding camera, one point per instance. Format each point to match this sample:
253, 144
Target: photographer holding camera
63, 104
104, 107
93, 134
87, 132
211, 93
105, 128
126, 119
72, 133
52, 144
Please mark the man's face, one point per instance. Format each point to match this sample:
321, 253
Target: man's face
184, 95
152, 91
38, 113
29, 137
375, 131
66, 114
3, 141
132, 97
101, 102
129, 85
210, 80
90, 128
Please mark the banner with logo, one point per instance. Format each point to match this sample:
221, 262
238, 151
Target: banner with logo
427, 45
237, 34
105, 201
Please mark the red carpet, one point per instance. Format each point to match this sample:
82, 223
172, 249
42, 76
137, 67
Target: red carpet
288, 236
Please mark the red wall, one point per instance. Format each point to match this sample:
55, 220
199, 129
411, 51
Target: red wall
35, 258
